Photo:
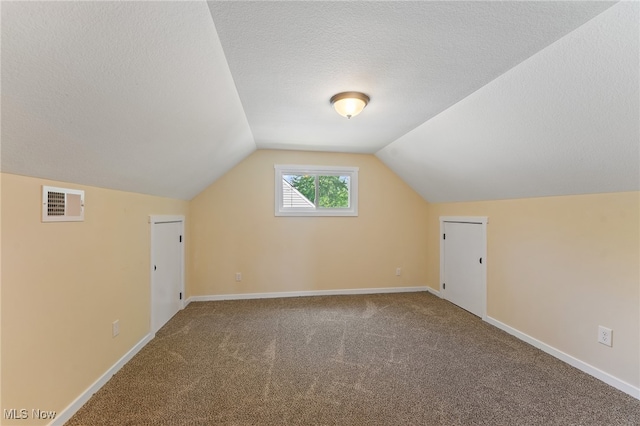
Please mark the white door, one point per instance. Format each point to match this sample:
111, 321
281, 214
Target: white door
166, 268
463, 265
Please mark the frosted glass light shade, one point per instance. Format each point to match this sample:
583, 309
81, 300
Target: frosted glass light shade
349, 104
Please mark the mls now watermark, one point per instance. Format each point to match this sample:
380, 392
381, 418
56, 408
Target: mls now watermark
24, 414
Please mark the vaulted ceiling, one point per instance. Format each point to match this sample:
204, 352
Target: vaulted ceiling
469, 100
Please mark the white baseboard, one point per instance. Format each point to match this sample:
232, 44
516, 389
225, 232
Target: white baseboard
434, 292
72, 408
575, 362
241, 296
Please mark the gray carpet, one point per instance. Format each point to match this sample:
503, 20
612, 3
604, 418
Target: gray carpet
388, 359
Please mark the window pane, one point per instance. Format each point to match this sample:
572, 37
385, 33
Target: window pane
333, 192
298, 191
315, 190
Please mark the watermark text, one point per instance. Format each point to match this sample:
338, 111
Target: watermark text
24, 414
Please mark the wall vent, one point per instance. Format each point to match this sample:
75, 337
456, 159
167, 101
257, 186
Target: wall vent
62, 205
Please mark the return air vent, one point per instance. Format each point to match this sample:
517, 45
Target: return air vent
62, 205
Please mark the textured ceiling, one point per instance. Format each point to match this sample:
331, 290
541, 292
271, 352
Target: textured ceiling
134, 96
565, 121
164, 97
414, 59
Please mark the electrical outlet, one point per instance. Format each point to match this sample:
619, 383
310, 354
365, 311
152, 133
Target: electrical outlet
398, 271
238, 276
115, 328
605, 336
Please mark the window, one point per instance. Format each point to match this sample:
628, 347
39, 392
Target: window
316, 191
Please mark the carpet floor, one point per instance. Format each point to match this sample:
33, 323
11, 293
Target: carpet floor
387, 359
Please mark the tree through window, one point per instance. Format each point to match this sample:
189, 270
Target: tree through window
316, 191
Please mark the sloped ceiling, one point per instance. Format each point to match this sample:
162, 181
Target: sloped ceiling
164, 97
414, 59
134, 96
565, 121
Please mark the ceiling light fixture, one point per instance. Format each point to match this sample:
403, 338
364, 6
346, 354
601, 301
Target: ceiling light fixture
349, 104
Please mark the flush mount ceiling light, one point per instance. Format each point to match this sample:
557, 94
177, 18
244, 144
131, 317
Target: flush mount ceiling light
349, 104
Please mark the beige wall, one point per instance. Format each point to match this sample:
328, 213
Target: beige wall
233, 229
558, 267
64, 283
1, 406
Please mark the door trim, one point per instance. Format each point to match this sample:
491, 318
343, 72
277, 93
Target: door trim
480, 220
154, 220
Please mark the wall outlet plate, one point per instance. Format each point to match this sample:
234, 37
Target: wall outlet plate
115, 328
605, 336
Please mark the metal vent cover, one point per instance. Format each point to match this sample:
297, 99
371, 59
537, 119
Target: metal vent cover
55, 203
62, 205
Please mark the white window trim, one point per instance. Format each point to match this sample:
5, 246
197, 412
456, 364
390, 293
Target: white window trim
352, 172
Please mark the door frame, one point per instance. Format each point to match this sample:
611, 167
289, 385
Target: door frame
154, 220
479, 220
